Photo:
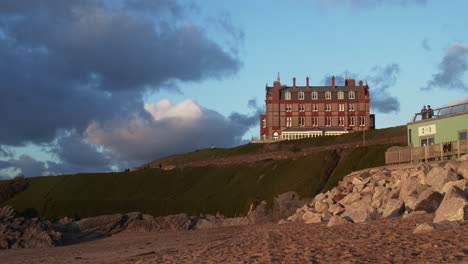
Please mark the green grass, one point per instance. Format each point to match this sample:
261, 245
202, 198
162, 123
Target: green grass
292, 145
229, 190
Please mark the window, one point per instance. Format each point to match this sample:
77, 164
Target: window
275, 136
341, 120
362, 121
288, 108
341, 107
263, 123
427, 141
351, 121
287, 96
462, 135
314, 108
352, 95
351, 107
340, 95
314, 121
301, 95
328, 107
314, 95
301, 108
301, 121
328, 95
328, 121
288, 121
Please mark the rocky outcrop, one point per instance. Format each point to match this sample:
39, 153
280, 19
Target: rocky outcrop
436, 187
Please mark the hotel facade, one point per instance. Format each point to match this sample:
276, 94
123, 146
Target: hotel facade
295, 112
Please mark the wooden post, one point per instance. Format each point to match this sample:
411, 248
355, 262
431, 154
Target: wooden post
411, 155
441, 151
425, 153
458, 148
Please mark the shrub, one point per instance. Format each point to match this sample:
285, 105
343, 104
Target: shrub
9, 188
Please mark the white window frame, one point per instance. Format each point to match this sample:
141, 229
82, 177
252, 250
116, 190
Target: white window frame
288, 121
301, 108
301, 121
351, 121
314, 107
341, 107
352, 95
328, 121
328, 95
362, 121
340, 95
314, 95
328, 107
315, 121
301, 95
275, 136
288, 107
263, 123
341, 121
287, 95
351, 107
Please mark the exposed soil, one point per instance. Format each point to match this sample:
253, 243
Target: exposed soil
384, 241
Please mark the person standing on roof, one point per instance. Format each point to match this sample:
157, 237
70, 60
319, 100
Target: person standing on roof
430, 112
424, 112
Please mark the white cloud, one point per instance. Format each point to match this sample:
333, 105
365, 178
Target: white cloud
187, 110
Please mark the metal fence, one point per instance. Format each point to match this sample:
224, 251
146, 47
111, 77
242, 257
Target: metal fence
397, 155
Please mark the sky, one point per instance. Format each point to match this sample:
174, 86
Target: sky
100, 85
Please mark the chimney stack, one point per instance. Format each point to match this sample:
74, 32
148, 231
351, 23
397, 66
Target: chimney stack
361, 84
333, 81
307, 82
294, 82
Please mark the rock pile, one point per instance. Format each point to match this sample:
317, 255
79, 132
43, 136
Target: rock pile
438, 187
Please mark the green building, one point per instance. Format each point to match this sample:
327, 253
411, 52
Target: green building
447, 124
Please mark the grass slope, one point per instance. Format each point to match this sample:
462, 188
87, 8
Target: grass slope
229, 190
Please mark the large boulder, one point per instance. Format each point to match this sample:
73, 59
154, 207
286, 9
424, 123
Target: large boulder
454, 206
336, 220
360, 211
311, 217
428, 201
169, 223
104, 224
463, 168
428, 227
462, 184
410, 191
393, 208
437, 177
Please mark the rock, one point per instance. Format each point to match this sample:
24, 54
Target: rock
7, 213
451, 165
454, 206
284, 221
261, 214
34, 237
205, 222
321, 206
359, 212
310, 217
463, 168
336, 220
105, 224
463, 158
462, 184
428, 227
285, 204
414, 214
338, 197
437, 177
421, 173
176, 222
428, 201
393, 208
410, 190
336, 209
350, 198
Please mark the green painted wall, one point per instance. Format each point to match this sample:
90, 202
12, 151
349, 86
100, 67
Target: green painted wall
447, 129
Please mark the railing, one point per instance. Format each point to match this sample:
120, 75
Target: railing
397, 155
443, 111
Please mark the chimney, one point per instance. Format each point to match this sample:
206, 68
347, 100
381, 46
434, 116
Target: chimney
333, 81
294, 82
361, 84
307, 82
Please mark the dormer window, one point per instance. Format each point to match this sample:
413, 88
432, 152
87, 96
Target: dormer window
328, 95
340, 95
301, 95
314, 95
352, 95
287, 96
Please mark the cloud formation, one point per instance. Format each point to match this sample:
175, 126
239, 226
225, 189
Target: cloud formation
425, 44
380, 80
171, 128
370, 3
67, 63
451, 70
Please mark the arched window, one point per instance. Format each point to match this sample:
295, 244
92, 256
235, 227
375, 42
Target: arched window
301, 95
328, 95
314, 95
275, 136
352, 95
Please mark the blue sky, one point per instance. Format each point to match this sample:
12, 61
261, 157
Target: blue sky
133, 80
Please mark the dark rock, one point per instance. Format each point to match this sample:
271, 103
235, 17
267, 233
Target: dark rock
428, 201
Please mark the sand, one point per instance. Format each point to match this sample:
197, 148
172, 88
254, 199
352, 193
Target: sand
384, 241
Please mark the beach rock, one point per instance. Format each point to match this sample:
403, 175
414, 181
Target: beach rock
454, 206
462, 184
437, 177
104, 224
413, 214
428, 227
321, 206
311, 217
410, 190
360, 211
170, 223
428, 201
336, 220
463, 158
463, 168
336, 209
350, 198
393, 208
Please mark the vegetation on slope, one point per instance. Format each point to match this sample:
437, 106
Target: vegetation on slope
229, 190
10, 188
